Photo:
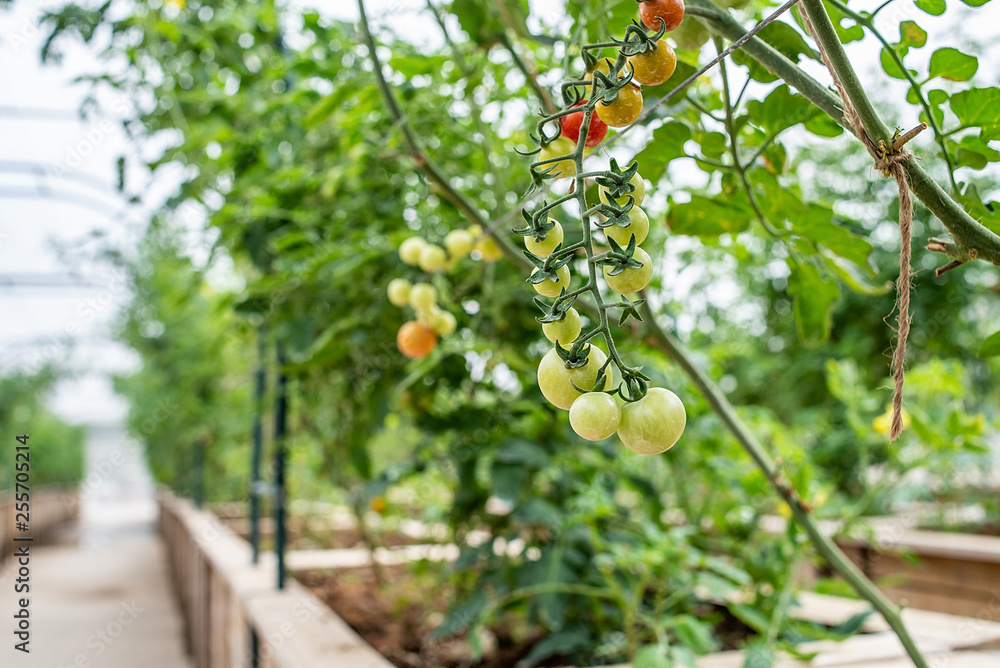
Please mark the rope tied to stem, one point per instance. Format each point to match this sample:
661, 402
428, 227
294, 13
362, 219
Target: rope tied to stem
889, 160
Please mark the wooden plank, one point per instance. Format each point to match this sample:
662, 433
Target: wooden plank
962, 546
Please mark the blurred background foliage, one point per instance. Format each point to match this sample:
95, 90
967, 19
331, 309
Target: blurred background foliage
56, 447
298, 190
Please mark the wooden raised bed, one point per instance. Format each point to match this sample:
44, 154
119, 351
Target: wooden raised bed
51, 508
232, 609
956, 573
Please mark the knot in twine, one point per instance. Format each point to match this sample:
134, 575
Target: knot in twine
889, 160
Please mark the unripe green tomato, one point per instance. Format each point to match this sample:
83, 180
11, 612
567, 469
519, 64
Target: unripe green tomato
433, 259
594, 416
564, 331
639, 227
639, 193
459, 243
563, 168
423, 296
556, 381
443, 323
631, 280
410, 250
488, 249
654, 423
550, 288
399, 292
544, 248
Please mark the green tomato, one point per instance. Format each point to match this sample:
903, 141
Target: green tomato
550, 288
556, 381
423, 296
442, 322
563, 168
459, 243
410, 250
399, 292
544, 248
631, 280
639, 193
594, 416
564, 331
433, 259
639, 227
654, 423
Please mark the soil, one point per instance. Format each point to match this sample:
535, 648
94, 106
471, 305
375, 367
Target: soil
396, 619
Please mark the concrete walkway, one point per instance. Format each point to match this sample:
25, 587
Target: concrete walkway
102, 598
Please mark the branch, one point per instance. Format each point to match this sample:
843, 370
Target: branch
829, 550
972, 239
424, 163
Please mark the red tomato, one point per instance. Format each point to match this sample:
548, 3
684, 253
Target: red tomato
571, 127
671, 11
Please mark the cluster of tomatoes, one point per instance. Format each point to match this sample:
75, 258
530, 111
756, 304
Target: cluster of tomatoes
651, 420
650, 68
418, 338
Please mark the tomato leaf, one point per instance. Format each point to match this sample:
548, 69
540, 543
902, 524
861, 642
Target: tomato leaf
953, 65
704, 217
781, 109
979, 107
932, 7
991, 346
667, 144
910, 34
813, 298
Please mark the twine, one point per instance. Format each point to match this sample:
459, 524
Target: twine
889, 160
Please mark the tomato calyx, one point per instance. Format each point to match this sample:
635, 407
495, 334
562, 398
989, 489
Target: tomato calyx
634, 385
629, 309
606, 87
556, 312
618, 182
638, 39
619, 259
547, 267
576, 357
538, 225
615, 214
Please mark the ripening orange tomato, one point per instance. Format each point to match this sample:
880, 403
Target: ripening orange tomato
416, 340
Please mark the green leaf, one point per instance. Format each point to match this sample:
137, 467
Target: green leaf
822, 125
953, 65
694, 633
523, 453
781, 109
785, 39
910, 34
856, 278
889, 65
853, 624
973, 152
759, 654
816, 224
750, 616
852, 33
707, 218
813, 299
975, 3
979, 107
932, 7
561, 642
991, 346
652, 656
667, 144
